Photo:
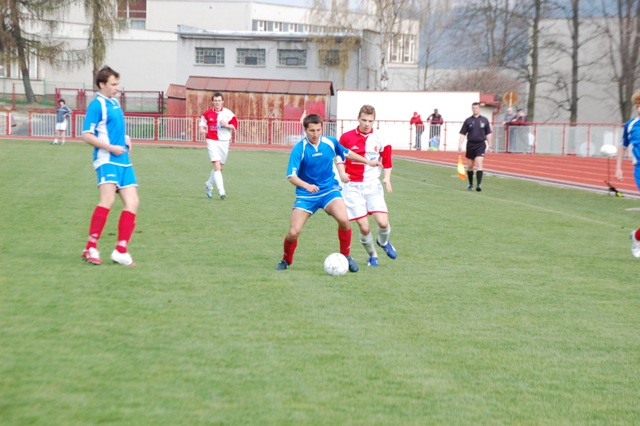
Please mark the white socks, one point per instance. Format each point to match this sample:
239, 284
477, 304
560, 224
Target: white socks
367, 243
383, 235
217, 178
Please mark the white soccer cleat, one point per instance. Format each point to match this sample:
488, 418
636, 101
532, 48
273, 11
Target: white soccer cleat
635, 245
92, 256
122, 258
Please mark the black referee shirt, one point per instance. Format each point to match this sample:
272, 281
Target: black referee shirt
476, 129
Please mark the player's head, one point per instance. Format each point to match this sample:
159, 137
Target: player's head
218, 101
104, 74
475, 107
366, 117
311, 119
368, 110
61, 101
636, 98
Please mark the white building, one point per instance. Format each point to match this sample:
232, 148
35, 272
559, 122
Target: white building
170, 40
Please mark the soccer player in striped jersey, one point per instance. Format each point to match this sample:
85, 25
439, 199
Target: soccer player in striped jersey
362, 192
310, 170
218, 125
631, 138
104, 129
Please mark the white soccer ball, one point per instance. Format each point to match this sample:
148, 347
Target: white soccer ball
336, 264
609, 150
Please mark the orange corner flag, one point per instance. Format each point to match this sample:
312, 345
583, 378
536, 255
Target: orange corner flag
461, 173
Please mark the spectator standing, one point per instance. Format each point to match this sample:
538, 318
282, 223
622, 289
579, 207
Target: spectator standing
435, 121
310, 170
362, 191
104, 129
63, 112
477, 131
218, 125
417, 121
506, 122
631, 139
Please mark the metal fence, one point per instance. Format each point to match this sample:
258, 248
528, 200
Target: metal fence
5, 123
534, 138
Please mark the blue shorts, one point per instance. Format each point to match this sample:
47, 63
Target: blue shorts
312, 204
121, 176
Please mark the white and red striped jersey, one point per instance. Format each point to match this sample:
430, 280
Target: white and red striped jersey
371, 146
216, 132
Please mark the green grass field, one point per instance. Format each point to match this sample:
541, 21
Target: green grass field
517, 305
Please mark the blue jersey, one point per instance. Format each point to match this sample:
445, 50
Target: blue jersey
631, 136
314, 164
105, 120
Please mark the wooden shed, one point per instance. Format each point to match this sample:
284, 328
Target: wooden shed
260, 98
176, 100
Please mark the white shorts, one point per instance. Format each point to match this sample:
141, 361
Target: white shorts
218, 150
61, 126
363, 199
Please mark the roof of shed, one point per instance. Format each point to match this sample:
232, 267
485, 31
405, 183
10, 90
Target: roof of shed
255, 85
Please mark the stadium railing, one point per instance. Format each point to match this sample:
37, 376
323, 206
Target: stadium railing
583, 139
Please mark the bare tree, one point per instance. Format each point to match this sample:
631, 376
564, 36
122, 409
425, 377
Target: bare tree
622, 30
102, 16
386, 19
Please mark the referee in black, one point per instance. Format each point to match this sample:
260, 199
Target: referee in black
477, 131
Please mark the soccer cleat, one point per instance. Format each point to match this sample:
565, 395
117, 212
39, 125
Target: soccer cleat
373, 261
389, 249
635, 245
223, 197
54, 143
91, 255
470, 188
478, 188
122, 258
208, 188
353, 266
282, 265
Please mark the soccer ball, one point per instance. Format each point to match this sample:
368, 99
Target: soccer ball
336, 264
608, 150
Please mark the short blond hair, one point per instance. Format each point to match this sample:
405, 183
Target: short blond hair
636, 98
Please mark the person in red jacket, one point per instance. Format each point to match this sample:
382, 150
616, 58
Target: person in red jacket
417, 121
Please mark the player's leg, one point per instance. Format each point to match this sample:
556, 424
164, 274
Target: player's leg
470, 165
128, 190
98, 221
635, 235
479, 171
337, 209
298, 218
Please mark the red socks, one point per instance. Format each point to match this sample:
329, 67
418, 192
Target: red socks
289, 249
638, 234
98, 220
345, 241
126, 225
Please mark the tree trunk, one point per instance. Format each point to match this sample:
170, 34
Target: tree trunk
533, 81
22, 52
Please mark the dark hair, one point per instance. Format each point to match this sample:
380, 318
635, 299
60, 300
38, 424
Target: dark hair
475, 103
217, 95
311, 119
104, 74
61, 100
367, 109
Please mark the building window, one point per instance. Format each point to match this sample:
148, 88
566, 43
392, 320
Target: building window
402, 49
251, 57
210, 55
134, 12
259, 25
292, 58
332, 58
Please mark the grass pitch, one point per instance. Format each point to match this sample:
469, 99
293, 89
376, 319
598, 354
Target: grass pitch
517, 305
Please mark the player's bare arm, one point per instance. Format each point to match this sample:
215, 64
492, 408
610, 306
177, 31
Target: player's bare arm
619, 159
93, 140
387, 180
295, 180
344, 177
360, 159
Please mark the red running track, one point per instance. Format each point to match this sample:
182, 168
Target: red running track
580, 172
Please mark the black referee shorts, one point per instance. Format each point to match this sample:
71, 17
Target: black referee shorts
475, 149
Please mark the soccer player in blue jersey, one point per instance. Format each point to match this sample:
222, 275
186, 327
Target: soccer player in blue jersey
631, 138
310, 170
104, 129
